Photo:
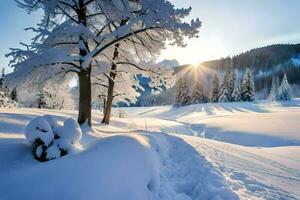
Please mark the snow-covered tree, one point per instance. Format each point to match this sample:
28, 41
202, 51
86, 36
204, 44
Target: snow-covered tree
49, 100
273, 91
6, 99
224, 92
232, 87
42, 100
215, 89
75, 36
178, 94
248, 87
284, 91
123, 85
197, 95
14, 95
2, 79
228, 90
182, 92
236, 93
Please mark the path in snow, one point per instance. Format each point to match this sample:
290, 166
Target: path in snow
251, 171
185, 174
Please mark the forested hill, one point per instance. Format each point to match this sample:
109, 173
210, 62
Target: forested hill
265, 63
259, 58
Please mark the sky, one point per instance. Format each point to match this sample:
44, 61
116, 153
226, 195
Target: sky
229, 27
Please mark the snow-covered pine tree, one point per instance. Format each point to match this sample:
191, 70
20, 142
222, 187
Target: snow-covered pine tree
197, 95
248, 87
215, 89
273, 91
14, 95
182, 92
236, 93
41, 99
185, 98
284, 91
5, 97
224, 91
178, 95
2, 79
47, 100
231, 84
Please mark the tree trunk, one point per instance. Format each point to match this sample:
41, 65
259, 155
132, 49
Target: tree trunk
111, 85
85, 99
109, 99
104, 106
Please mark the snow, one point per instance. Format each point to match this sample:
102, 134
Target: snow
39, 128
70, 131
205, 151
121, 167
52, 121
53, 152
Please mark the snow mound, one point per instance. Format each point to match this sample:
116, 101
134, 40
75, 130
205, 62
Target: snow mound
53, 152
114, 168
52, 121
70, 131
39, 129
50, 140
65, 145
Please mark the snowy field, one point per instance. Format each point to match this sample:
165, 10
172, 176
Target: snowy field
211, 151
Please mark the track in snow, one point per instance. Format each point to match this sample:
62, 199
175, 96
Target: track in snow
185, 173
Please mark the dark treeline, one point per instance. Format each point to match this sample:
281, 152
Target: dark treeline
257, 59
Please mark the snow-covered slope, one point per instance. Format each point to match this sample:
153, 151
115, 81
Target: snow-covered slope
254, 145
211, 151
115, 163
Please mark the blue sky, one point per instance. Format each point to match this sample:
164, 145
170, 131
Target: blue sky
229, 27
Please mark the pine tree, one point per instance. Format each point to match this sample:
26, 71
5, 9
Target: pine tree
182, 93
198, 94
231, 83
215, 89
41, 101
3, 73
248, 87
236, 93
284, 91
178, 91
273, 92
185, 98
224, 91
2, 79
14, 95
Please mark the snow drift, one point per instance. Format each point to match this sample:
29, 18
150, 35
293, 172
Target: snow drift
51, 140
119, 167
